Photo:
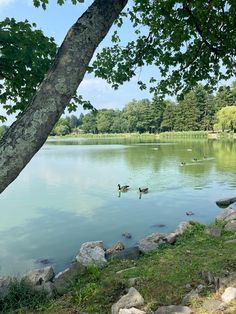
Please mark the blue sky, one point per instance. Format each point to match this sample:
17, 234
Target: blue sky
55, 22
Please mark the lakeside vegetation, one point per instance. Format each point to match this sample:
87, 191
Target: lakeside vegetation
162, 278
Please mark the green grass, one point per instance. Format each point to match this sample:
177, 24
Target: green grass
185, 134
22, 298
162, 274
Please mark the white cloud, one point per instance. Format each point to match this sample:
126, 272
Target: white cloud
96, 84
4, 3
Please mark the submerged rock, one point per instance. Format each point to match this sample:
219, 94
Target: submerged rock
127, 235
132, 299
45, 261
226, 201
158, 226
92, 253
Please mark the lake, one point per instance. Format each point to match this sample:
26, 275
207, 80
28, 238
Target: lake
68, 195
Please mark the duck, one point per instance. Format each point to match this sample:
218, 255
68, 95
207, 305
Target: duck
189, 213
123, 188
183, 163
143, 190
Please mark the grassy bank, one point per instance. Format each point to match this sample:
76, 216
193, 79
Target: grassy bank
162, 276
152, 136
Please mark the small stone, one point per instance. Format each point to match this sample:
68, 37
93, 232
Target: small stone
133, 281
193, 294
124, 270
224, 213
173, 309
132, 299
188, 287
118, 246
39, 276
229, 295
213, 305
214, 231
231, 226
132, 310
230, 241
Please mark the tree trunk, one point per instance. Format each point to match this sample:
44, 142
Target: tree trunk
26, 136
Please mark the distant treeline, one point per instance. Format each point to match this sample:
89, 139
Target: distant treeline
199, 110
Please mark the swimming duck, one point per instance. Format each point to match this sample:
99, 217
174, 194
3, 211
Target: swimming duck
143, 190
189, 213
182, 163
123, 188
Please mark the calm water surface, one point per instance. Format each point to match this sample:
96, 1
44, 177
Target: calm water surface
68, 195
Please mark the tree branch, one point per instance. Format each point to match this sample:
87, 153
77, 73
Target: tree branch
26, 136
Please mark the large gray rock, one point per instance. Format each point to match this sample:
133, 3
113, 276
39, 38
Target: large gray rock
66, 278
230, 217
182, 227
39, 276
154, 240
5, 283
173, 309
47, 287
231, 226
132, 310
132, 299
129, 253
229, 295
224, 213
92, 253
226, 201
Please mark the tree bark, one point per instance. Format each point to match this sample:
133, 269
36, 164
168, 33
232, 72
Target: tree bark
26, 136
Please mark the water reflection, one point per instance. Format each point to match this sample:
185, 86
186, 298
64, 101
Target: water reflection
68, 195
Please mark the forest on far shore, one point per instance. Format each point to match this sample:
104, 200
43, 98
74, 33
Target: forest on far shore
199, 110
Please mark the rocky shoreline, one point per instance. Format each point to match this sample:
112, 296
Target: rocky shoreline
94, 253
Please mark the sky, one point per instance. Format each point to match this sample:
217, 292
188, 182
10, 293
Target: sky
55, 22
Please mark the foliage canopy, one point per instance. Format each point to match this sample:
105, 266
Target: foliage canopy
188, 41
25, 56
